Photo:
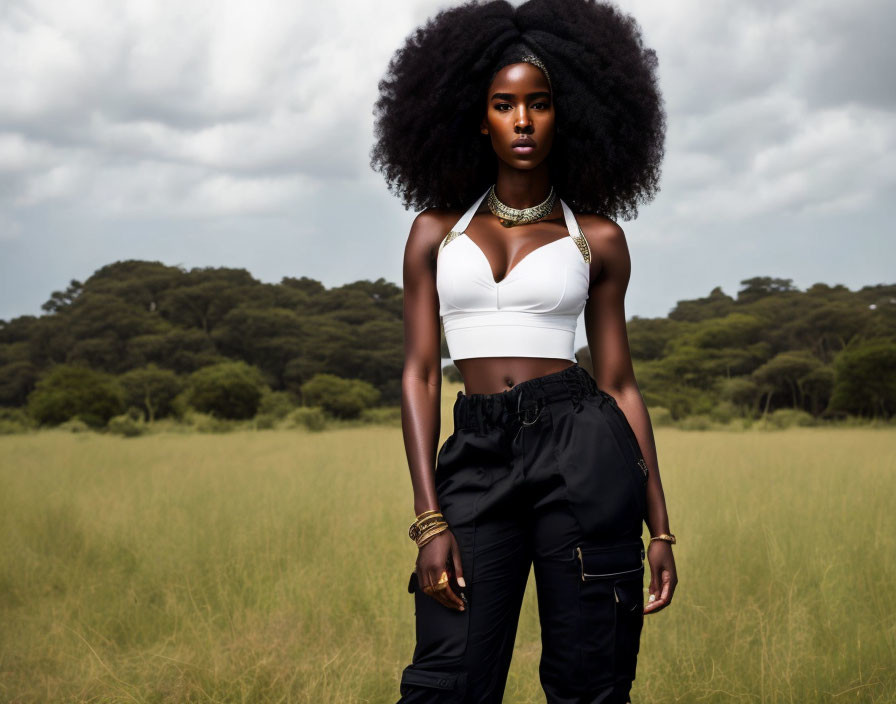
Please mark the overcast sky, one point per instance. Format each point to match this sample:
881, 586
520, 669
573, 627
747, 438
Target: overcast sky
238, 134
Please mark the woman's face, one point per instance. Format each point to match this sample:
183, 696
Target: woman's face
519, 106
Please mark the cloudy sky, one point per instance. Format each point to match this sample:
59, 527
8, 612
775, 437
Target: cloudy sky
238, 134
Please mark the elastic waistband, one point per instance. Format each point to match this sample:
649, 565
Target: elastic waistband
483, 410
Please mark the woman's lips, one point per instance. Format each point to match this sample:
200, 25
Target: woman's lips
523, 149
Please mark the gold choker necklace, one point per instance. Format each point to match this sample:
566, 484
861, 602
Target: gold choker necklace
509, 217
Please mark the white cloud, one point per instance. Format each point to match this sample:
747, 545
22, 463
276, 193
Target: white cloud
146, 111
230, 96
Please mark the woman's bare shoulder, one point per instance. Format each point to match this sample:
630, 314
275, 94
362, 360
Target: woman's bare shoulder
430, 227
606, 239
600, 230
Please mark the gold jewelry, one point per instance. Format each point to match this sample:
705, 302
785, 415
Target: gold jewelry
438, 586
667, 537
530, 58
426, 520
432, 533
431, 530
425, 523
509, 217
425, 513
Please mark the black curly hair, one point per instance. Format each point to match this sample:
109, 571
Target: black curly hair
610, 120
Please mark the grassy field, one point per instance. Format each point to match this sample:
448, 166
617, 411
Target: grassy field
272, 566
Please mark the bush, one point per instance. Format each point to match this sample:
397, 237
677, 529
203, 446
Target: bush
660, 417
66, 391
180, 405
207, 423
697, 421
14, 421
265, 421
387, 415
228, 390
277, 404
723, 412
343, 398
152, 389
130, 424
312, 418
11, 427
865, 379
74, 425
789, 417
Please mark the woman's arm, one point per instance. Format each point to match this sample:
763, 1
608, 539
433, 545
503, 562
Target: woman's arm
421, 390
611, 359
421, 379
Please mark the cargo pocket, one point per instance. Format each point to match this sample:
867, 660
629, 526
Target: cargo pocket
609, 576
442, 632
437, 686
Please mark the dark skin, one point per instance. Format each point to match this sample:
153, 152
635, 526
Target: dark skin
518, 104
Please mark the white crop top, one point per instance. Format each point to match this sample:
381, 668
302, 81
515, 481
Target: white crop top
531, 312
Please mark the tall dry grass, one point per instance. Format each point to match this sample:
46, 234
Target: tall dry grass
272, 566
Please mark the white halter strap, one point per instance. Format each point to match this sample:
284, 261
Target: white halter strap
461, 224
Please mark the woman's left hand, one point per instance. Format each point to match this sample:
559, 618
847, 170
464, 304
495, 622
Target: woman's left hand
663, 577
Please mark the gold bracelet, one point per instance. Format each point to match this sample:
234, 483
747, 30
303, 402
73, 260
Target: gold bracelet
432, 510
424, 539
431, 530
667, 537
420, 525
429, 526
428, 517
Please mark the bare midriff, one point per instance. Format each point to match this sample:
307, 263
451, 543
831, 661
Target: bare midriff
490, 375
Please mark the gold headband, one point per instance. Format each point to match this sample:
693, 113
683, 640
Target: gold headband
529, 58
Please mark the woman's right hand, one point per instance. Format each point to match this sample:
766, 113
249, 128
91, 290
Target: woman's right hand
440, 555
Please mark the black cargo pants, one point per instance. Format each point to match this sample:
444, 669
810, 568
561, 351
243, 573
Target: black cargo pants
548, 472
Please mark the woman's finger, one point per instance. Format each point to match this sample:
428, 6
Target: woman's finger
660, 598
444, 593
458, 569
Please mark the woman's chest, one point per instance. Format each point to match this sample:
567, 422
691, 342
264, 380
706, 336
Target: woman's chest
552, 278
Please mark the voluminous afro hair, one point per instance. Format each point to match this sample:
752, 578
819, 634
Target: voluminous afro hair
610, 121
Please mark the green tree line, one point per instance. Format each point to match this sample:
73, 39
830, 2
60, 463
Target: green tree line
138, 333
142, 334
826, 351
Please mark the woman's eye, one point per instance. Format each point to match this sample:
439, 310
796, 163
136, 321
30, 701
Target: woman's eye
500, 106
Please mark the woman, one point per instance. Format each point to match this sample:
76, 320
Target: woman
498, 122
